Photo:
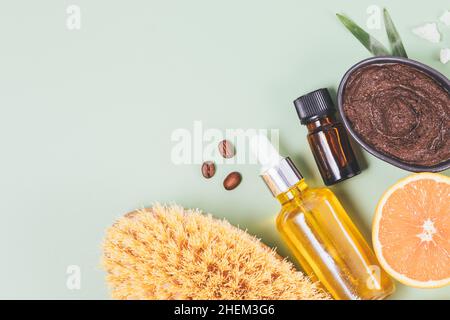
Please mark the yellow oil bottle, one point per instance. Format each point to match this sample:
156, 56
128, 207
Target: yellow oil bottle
319, 232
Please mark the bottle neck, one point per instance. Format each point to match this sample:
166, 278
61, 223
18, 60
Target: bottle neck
282, 176
294, 192
320, 122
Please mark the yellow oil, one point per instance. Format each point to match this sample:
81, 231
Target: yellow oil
328, 246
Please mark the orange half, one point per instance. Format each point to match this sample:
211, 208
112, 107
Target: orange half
411, 230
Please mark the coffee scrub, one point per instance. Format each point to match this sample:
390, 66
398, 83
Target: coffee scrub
400, 111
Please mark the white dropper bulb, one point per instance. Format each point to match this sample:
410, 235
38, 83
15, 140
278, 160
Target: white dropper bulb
265, 152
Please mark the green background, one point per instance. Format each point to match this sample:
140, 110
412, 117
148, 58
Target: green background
87, 116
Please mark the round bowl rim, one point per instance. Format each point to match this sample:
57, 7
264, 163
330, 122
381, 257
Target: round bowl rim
433, 73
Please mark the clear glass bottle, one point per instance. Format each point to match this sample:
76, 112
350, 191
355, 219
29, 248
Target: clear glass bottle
319, 232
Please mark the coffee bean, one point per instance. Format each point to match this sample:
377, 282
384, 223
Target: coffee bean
208, 169
226, 149
232, 180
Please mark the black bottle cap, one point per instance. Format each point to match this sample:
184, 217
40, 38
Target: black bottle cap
314, 105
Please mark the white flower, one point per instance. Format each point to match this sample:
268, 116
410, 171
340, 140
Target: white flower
428, 32
445, 55
445, 18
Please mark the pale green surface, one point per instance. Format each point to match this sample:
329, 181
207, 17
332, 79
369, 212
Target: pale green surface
86, 117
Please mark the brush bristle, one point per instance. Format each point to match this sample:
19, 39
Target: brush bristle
167, 252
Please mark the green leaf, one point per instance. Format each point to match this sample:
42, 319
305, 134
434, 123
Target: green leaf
394, 38
372, 44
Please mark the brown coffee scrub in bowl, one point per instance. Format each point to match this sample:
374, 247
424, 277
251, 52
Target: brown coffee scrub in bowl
399, 111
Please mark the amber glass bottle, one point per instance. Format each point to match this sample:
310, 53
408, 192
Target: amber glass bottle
327, 137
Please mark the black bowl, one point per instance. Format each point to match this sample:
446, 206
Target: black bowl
437, 76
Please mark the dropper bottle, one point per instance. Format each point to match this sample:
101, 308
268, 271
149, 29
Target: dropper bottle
319, 232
